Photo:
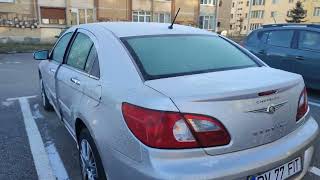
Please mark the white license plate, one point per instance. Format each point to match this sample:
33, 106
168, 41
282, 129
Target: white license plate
282, 172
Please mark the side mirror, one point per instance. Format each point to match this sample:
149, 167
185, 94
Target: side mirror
41, 55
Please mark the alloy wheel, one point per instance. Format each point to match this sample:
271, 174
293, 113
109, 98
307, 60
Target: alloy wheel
88, 163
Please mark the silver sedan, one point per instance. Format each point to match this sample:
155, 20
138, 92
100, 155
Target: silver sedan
144, 101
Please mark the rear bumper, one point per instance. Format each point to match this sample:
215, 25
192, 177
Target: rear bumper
236, 165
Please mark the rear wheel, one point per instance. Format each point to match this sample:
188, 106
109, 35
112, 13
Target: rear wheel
45, 101
90, 161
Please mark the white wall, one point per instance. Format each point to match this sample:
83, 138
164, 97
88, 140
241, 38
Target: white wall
52, 3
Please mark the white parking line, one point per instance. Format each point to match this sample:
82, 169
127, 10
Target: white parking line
56, 162
14, 62
46, 169
315, 171
314, 104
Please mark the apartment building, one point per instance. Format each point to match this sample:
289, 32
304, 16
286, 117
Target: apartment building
18, 13
313, 11
207, 17
113, 10
224, 9
239, 16
62, 13
247, 15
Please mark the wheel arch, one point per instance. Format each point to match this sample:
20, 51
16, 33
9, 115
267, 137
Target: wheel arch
79, 125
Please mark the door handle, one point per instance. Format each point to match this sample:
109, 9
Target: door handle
75, 81
52, 70
299, 57
261, 52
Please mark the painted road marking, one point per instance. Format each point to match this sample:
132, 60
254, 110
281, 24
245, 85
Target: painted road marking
14, 62
56, 162
315, 171
48, 167
314, 104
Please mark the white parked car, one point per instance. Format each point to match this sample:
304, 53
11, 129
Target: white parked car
147, 102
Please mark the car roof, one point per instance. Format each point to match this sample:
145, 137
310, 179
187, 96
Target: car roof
314, 27
128, 29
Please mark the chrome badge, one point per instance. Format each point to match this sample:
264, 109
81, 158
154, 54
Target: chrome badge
271, 109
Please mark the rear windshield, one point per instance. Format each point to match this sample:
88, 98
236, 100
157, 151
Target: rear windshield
169, 56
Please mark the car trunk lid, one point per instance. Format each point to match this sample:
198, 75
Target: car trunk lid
233, 98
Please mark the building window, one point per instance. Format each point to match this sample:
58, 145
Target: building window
290, 1
55, 16
81, 16
257, 14
316, 11
207, 22
162, 17
254, 26
257, 2
275, 1
208, 2
141, 16
248, 3
233, 4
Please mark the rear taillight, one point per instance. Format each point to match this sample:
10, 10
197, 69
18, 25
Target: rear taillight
302, 104
171, 130
208, 131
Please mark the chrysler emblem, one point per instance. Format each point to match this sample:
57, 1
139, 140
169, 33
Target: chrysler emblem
271, 109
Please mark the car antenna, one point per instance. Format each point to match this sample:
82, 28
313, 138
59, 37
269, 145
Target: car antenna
174, 20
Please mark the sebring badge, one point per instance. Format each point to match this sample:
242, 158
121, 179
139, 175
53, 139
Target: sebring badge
270, 109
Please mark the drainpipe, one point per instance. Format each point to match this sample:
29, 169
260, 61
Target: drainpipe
35, 9
249, 16
152, 10
68, 11
173, 9
216, 15
129, 8
95, 10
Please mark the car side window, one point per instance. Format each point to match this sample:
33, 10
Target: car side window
255, 38
281, 38
92, 65
309, 40
60, 48
79, 51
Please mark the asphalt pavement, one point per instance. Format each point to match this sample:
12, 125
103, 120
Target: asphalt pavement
27, 132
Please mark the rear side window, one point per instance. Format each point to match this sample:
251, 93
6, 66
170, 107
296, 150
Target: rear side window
169, 56
309, 40
60, 48
79, 51
92, 65
255, 38
281, 38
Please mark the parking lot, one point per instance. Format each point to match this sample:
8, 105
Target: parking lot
34, 143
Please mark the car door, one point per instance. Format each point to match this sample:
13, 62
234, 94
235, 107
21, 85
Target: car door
307, 57
73, 76
55, 59
278, 49
256, 43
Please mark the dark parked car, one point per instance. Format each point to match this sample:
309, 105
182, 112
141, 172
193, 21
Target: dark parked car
290, 47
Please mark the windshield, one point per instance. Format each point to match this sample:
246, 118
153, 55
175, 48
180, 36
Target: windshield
169, 56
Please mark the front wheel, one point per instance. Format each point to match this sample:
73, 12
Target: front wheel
90, 162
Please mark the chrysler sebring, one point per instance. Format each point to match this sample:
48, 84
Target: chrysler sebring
144, 101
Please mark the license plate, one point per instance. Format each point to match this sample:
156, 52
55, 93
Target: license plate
282, 172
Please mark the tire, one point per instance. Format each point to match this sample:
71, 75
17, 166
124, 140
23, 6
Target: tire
45, 101
86, 139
